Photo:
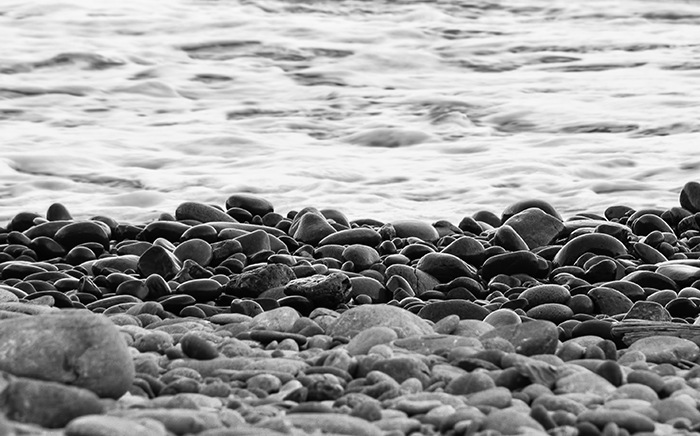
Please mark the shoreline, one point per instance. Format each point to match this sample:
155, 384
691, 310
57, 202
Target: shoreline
239, 320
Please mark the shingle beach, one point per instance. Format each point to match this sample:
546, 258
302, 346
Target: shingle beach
236, 320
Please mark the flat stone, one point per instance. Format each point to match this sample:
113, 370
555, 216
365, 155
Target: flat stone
510, 422
281, 319
683, 275
609, 301
404, 368
366, 339
359, 235
192, 210
445, 267
666, 349
528, 338
542, 294
438, 310
631, 421
583, 381
334, 423
430, 344
44, 403
93, 353
105, 425
517, 262
359, 318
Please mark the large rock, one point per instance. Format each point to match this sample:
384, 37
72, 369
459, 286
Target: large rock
690, 197
536, 227
596, 243
72, 347
353, 321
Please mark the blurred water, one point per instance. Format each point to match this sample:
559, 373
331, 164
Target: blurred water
383, 109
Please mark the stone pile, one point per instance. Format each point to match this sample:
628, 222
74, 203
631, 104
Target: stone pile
242, 321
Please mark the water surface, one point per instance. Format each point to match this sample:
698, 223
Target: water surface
384, 109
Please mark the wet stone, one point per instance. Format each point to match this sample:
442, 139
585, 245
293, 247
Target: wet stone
535, 227
690, 197
445, 267
204, 213
157, 260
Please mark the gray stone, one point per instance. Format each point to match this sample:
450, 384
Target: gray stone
71, 347
322, 290
353, 321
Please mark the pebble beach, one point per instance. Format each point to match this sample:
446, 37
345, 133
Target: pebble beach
233, 320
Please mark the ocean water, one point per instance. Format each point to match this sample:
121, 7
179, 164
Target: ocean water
384, 109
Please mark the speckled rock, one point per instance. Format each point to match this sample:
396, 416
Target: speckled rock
254, 282
353, 321
322, 290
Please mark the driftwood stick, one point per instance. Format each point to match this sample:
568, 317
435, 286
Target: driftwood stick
632, 331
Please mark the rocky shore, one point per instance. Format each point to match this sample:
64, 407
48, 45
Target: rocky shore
239, 321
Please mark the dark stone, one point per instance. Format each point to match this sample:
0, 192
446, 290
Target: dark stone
202, 290
522, 205
682, 308
506, 237
252, 203
541, 294
360, 235
445, 267
322, 290
690, 197
80, 232
648, 223
198, 348
517, 262
650, 279
169, 230
158, 260
609, 301
596, 243
438, 310
254, 282
593, 327
191, 210
415, 228
536, 227
311, 227
553, 312
468, 249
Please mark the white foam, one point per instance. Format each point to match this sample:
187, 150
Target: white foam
388, 110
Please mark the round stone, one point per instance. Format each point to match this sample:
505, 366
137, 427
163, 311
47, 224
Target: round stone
690, 197
81, 232
596, 243
252, 203
542, 294
204, 213
195, 249
355, 320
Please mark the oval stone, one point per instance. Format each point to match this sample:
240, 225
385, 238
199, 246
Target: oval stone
81, 232
597, 243
89, 349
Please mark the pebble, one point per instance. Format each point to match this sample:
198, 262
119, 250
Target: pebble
311, 323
